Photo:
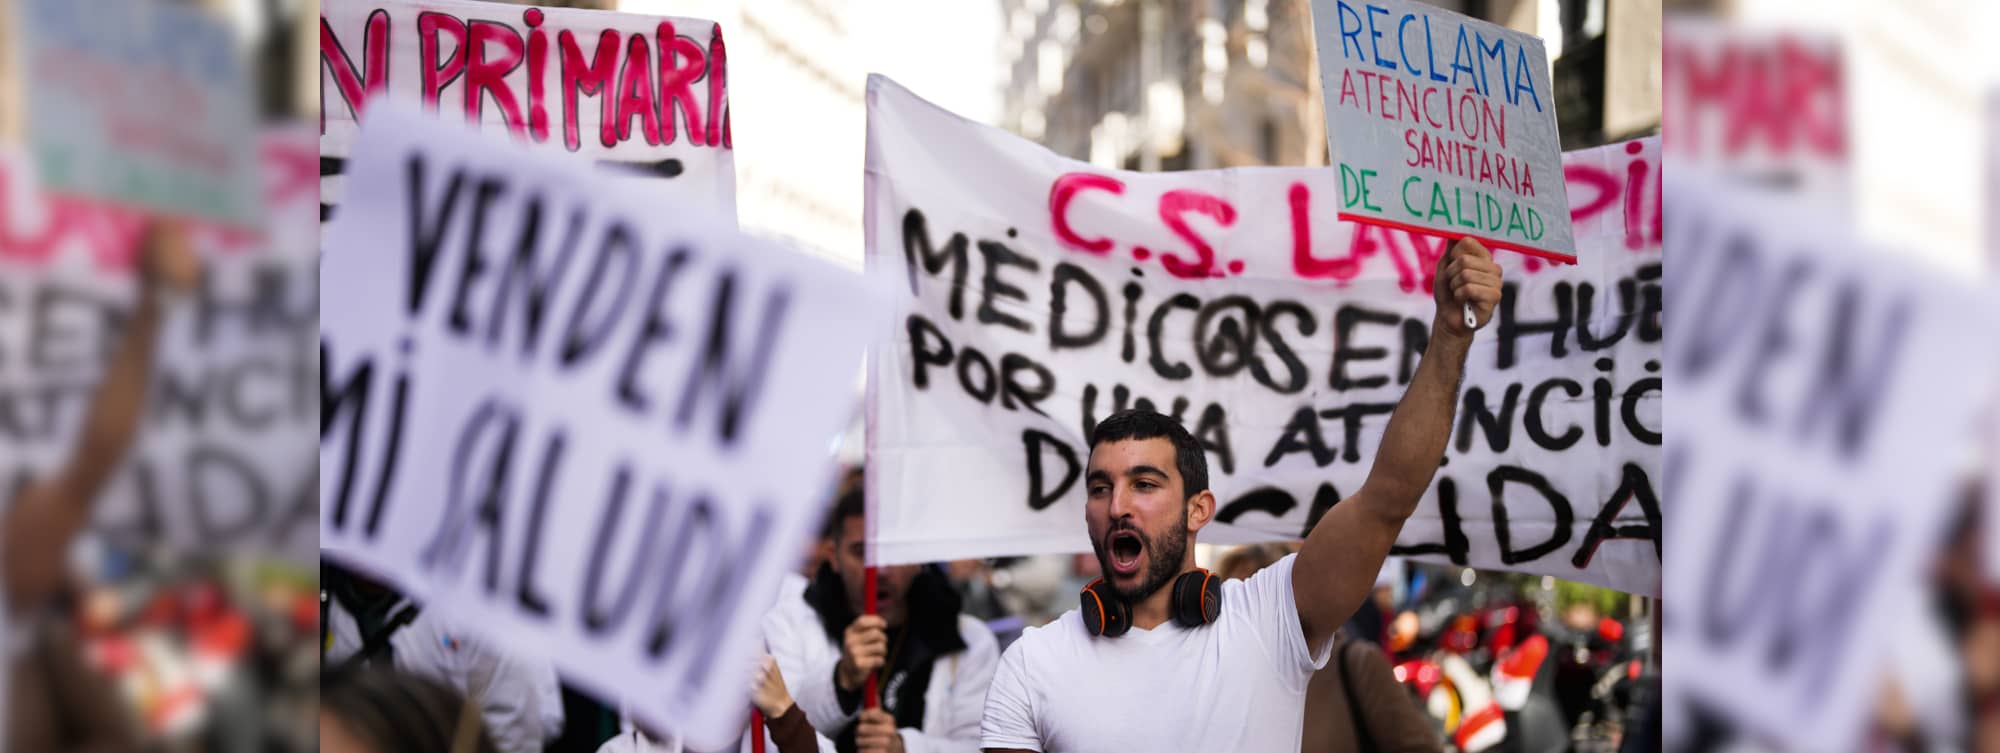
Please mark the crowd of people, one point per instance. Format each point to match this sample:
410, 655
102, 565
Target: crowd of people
1018, 653
955, 656
942, 627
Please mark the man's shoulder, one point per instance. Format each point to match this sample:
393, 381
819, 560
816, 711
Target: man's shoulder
1264, 579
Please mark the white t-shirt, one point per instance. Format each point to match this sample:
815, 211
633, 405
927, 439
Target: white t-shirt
1238, 684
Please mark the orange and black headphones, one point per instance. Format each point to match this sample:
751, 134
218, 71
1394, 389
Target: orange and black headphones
1197, 601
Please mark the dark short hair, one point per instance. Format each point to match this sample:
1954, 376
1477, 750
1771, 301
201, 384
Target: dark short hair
394, 710
852, 504
1139, 423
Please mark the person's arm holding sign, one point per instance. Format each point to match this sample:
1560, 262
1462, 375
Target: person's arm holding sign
1336, 566
37, 528
785, 720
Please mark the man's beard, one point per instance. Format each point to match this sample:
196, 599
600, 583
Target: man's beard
1164, 555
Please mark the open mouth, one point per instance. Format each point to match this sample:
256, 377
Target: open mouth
1125, 547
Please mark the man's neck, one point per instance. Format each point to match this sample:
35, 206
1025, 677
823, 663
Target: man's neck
1157, 609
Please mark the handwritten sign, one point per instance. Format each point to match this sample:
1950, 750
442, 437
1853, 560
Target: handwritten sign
645, 96
143, 103
595, 429
1813, 457
1442, 123
1045, 294
224, 460
1764, 106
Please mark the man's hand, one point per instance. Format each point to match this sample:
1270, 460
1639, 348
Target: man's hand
862, 651
167, 260
769, 693
1465, 274
876, 733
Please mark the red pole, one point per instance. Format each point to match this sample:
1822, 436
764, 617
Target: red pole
868, 699
756, 731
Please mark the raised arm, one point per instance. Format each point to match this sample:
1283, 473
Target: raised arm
1337, 565
37, 528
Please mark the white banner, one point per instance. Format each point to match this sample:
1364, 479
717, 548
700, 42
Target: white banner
645, 96
1442, 123
1824, 399
224, 459
595, 430
1766, 106
1045, 294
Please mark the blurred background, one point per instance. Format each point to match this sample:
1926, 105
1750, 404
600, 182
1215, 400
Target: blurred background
1878, 121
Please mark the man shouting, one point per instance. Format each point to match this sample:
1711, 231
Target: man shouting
1163, 656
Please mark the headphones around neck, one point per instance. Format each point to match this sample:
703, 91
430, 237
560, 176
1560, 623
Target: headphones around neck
1197, 601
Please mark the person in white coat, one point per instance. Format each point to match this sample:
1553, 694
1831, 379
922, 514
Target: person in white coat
519, 697
934, 663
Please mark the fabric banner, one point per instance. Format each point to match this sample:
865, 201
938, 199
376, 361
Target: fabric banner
646, 97
1043, 294
225, 457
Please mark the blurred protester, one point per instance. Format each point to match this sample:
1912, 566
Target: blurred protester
1967, 608
1371, 622
1354, 704
45, 514
371, 710
367, 622
61, 705
934, 662
1241, 562
785, 721
785, 725
1524, 691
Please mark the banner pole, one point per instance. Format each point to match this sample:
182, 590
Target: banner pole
868, 699
756, 731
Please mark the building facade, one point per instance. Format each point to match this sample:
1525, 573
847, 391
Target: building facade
798, 118
1197, 84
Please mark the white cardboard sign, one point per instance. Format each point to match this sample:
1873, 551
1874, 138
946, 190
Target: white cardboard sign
143, 103
1043, 294
1440, 122
1823, 397
596, 430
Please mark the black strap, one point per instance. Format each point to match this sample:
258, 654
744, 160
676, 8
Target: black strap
1361, 733
374, 643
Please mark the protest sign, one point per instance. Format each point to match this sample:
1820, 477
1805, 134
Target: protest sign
597, 431
1824, 396
224, 460
1442, 123
141, 102
645, 96
1045, 294
1766, 106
